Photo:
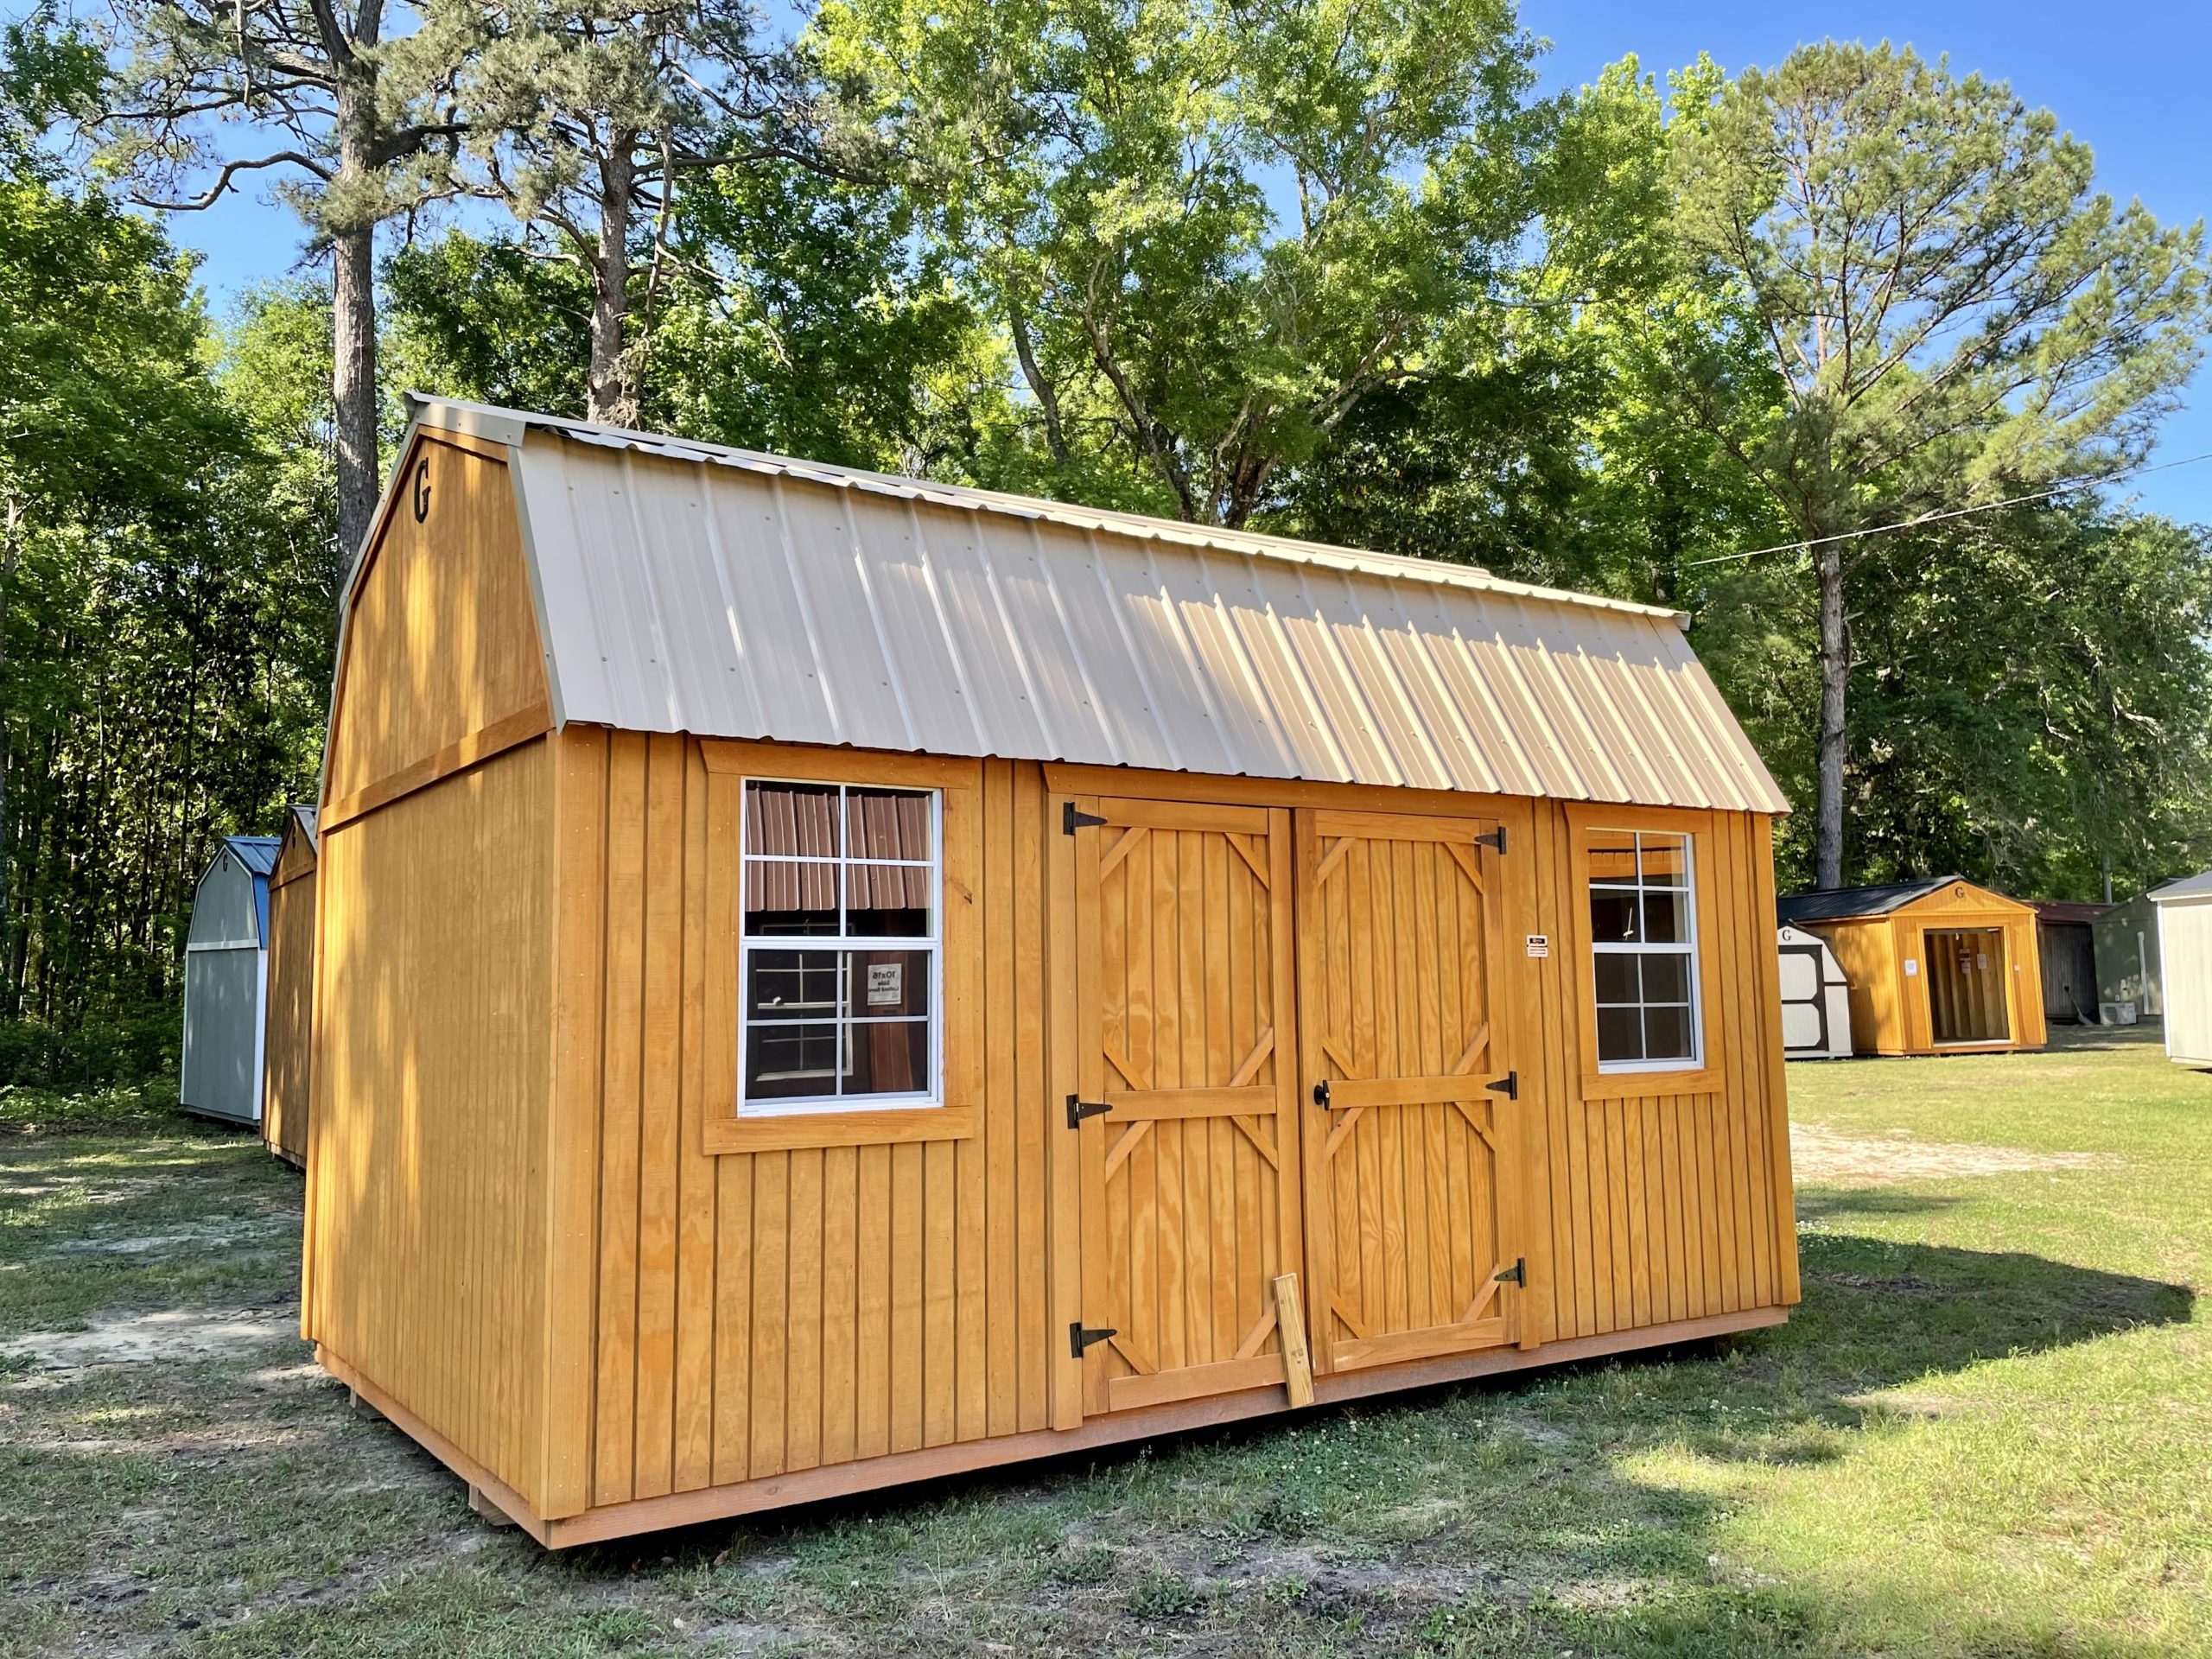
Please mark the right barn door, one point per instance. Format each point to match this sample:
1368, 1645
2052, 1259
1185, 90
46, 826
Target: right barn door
1410, 1100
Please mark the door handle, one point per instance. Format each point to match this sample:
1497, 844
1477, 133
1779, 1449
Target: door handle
1321, 1094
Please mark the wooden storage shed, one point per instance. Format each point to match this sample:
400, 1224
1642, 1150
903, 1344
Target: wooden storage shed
1935, 967
826, 980
227, 983
292, 989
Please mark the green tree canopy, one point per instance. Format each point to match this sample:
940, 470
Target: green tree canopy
1208, 233
1953, 311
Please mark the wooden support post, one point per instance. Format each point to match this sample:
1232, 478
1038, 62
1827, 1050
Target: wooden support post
492, 1513
1290, 1320
362, 1408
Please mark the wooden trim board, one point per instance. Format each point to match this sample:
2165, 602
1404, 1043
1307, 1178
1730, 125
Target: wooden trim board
837, 1480
498, 738
508, 1501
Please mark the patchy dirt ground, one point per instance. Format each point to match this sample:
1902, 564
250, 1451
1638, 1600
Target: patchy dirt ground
174, 1336
1822, 1157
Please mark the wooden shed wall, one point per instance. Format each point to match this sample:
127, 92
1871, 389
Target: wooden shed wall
1866, 951
427, 1217
759, 1314
289, 1049
753, 1315
440, 661
427, 1249
2023, 964
1668, 1207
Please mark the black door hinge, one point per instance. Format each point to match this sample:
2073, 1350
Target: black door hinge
1071, 820
1517, 1273
1496, 838
1509, 1085
1078, 1109
1081, 1335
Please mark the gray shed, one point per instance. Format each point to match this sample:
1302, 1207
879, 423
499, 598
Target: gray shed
2129, 980
226, 982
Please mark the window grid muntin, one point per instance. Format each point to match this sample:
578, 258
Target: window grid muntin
843, 945
1642, 947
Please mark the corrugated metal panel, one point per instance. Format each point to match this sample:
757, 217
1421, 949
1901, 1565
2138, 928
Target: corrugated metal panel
715, 592
257, 853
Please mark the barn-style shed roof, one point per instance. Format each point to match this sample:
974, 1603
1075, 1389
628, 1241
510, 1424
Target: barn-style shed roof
257, 853
694, 588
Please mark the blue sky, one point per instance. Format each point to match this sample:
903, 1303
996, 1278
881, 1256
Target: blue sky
2126, 78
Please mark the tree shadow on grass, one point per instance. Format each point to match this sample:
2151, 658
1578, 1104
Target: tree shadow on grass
1548, 1542
1819, 1207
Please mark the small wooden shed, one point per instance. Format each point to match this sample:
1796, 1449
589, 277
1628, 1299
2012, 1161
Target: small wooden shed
2185, 958
826, 980
292, 989
1936, 966
227, 983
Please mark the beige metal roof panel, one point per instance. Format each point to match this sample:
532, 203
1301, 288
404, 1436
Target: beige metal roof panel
715, 592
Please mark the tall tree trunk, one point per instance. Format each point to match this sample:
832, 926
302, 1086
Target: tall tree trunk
613, 391
354, 338
1047, 394
1835, 673
11, 984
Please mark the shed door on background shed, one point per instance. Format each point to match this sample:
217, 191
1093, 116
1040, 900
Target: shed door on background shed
1804, 1000
1189, 1179
1410, 1201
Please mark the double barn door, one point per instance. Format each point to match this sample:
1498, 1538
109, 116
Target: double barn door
1290, 1064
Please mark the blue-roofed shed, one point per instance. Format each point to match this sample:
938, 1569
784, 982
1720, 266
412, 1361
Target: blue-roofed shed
226, 982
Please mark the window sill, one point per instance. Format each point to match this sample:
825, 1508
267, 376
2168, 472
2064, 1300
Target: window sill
799, 1130
1643, 1085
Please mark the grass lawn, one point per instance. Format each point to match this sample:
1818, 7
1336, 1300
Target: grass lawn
1988, 1431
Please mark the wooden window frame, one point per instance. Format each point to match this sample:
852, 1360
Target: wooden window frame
959, 786
1644, 1081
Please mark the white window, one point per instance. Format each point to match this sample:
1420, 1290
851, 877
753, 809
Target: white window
840, 978
1643, 937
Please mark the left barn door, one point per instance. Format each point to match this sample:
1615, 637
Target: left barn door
1186, 1112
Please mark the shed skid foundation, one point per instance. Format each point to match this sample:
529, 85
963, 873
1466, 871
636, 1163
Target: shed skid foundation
489, 1496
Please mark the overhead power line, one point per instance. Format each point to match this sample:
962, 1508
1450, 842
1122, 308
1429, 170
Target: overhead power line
1954, 512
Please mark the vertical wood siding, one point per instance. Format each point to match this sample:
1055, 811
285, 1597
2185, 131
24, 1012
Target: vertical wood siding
748, 1315
1668, 1207
289, 1047
760, 1313
426, 1212
442, 641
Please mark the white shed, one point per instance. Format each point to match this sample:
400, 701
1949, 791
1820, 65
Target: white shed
2185, 963
227, 983
1815, 998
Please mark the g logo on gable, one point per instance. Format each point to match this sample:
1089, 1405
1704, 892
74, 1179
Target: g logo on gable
422, 489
